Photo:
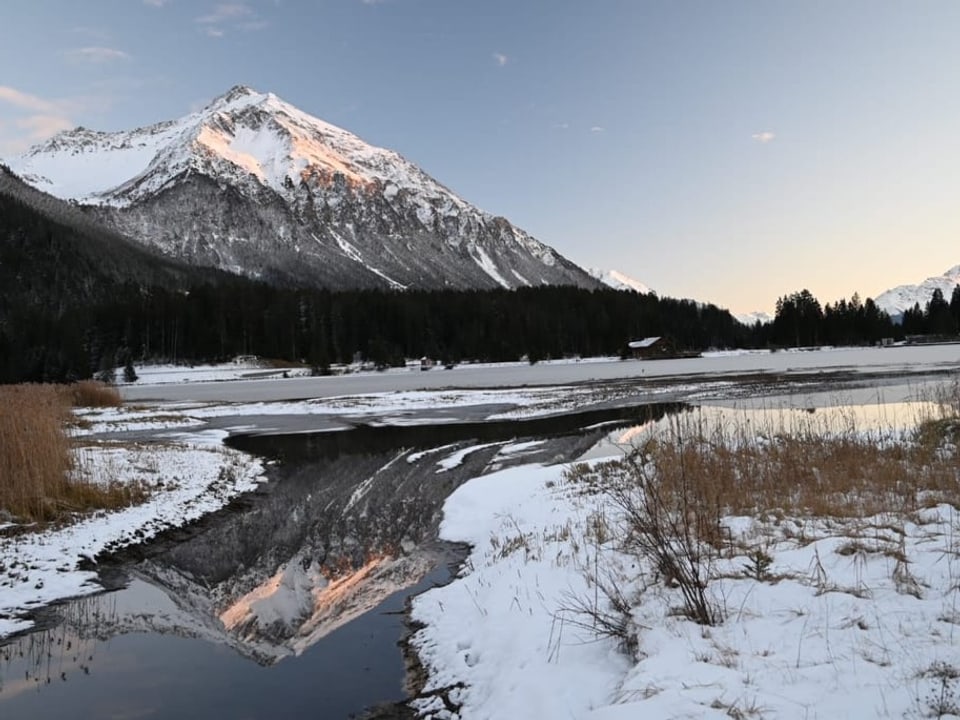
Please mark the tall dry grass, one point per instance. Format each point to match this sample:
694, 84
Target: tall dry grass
809, 466
38, 482
91, 393
672, 491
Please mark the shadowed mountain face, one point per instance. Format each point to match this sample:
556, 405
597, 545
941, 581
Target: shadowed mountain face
252, 185
51, 252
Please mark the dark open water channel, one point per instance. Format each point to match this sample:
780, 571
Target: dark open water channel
286, 605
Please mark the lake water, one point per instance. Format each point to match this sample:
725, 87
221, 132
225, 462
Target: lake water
290, 603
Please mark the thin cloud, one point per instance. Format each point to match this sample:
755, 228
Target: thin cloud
226, 12
561, 126
36, 119
500, 59
98, 55
763, 137
598, 129
26, 101
40, 127
227, 17
155, 3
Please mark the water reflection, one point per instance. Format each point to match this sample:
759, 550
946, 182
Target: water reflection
772, 416
346, 524
63, 651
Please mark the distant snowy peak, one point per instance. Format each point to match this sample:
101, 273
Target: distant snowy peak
752, 318
619, 281
899, 299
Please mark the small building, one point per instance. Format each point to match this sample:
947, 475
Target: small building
652, 347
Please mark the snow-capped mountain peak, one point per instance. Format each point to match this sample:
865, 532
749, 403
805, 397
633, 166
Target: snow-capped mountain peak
903, 297
618, 281
752, 318
254, 185
241, 133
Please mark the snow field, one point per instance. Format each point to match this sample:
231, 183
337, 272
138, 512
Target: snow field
822, 618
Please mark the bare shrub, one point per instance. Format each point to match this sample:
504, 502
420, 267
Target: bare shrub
669, 525
613, 618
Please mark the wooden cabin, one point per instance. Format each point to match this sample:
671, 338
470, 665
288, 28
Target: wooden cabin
651, 348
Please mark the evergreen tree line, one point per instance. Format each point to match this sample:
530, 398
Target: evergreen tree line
214, 322
937, 317
801, 321
76, 301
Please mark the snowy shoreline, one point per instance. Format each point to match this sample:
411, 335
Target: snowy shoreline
835, 633
836, 626
187, 480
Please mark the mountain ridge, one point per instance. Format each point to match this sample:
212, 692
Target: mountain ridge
619, 281
897, 300
253, 185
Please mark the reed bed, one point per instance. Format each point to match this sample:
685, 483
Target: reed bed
91, 393
817, 464
671, 493
39, 477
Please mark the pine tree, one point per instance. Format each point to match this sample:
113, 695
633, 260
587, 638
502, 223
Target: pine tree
129, 373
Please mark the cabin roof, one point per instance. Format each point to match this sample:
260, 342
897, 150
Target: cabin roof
645, 343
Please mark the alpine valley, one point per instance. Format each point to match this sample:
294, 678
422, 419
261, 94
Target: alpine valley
254, 186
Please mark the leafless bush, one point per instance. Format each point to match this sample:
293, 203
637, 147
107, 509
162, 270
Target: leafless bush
610, 617
666, 526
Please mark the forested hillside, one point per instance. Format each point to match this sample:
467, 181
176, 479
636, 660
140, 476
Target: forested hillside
75, 298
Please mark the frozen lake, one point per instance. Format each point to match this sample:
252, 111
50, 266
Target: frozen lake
906, 360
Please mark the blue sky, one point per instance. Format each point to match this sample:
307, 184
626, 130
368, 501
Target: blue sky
727, 151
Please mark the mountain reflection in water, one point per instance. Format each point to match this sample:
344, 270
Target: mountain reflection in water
346, 524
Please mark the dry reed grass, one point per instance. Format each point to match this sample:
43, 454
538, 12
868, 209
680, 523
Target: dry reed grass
672, 492
806, 466
38, 478
91, 393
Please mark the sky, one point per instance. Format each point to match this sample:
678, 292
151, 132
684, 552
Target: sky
731, 152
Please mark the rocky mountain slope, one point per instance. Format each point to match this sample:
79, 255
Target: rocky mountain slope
252, 185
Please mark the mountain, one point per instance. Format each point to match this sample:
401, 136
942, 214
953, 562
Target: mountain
63, 277
752, 318
896, 300
619, 281
51, 252
252, 185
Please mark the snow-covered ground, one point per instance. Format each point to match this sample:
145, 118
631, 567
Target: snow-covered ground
169, 373
913, 360
186, 480
222, 372
838, 625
